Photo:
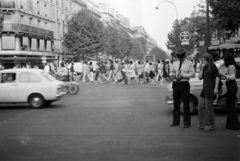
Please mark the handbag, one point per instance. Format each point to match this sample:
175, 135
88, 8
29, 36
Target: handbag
222, 101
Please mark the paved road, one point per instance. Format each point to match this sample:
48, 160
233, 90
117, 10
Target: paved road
111, 122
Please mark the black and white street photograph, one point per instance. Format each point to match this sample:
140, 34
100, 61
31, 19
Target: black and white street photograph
119, 80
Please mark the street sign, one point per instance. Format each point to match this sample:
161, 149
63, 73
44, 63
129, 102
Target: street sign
201, 43
172, 46
44, 59
185, 36
215, 42
185, 43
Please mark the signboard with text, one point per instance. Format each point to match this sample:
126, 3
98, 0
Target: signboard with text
185, 36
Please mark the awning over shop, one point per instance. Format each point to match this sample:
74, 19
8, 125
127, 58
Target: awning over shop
225, 46
67, 56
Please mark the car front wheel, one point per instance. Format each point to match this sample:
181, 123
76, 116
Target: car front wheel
36, 101
193, 106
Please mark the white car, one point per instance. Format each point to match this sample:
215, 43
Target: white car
33, 86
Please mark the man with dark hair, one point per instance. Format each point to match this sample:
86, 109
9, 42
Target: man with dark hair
181, 71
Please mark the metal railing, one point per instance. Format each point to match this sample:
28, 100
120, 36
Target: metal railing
12, 27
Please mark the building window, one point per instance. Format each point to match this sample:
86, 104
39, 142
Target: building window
38, 7
30, 21
8, 42
57, 16
45, 9
39, 23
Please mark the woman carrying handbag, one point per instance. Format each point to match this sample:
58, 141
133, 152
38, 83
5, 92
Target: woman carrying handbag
232, 122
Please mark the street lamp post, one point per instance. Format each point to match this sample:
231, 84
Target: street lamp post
171, 45
63, 41
207, 16
172, 4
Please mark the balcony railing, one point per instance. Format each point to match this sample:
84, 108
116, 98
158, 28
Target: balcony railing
20, 28
81, 3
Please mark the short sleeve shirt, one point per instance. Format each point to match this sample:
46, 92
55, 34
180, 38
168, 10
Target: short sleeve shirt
210, 73
230, 70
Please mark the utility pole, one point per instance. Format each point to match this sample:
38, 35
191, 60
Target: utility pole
207, 16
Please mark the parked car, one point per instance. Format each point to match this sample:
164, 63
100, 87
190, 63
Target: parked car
196, 87
33, 86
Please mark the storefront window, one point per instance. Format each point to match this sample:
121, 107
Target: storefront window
41, 47
49, 46
34, 44
8, 42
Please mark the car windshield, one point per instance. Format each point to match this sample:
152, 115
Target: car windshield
48, 76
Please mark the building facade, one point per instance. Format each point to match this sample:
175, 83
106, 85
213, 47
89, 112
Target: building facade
33, 30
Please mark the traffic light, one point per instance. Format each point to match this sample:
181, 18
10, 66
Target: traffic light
1, 21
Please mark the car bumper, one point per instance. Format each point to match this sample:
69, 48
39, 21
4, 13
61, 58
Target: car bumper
60, 95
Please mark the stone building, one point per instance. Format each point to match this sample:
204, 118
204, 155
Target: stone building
33, 30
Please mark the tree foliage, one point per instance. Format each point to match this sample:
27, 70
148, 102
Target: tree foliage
138, 48
197, 28
158, 53
85, 34
226, 13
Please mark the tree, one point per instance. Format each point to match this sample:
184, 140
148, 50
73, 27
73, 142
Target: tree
226, 13
124, 44
137, 48
110, 40
196, 26
85, 34
158, 53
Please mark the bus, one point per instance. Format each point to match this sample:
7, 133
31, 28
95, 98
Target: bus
149, 58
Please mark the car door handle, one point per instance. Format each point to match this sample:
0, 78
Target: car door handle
14, 85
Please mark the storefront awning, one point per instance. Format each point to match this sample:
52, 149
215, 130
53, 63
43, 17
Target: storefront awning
225, 46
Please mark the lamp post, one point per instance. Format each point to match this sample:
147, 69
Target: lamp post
172, 4
207, 16
63, 41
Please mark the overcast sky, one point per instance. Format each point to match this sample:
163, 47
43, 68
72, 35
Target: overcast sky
157, 23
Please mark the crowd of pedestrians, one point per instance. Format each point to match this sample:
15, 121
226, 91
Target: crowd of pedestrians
117, 71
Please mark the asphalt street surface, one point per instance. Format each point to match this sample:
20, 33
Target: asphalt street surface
111, 122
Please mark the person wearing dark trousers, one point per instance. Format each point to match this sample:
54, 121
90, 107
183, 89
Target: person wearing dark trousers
181, 71
232, 122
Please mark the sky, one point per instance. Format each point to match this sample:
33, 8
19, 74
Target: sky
157, 23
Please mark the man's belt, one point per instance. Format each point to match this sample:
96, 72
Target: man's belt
182, 80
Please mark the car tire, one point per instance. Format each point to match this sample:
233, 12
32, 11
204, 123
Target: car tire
47, 103
36, 101
73, 89
193, 106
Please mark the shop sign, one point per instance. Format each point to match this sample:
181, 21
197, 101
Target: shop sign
44, 59
201, 43
40, 54
215, 42
185, 36
185, 43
